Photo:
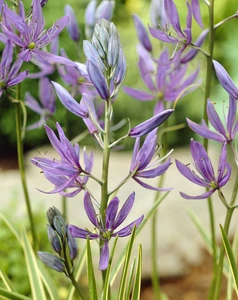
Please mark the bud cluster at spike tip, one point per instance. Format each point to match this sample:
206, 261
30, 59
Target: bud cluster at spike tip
106, 63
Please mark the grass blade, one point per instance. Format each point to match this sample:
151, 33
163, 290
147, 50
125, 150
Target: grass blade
131, 279
231, 258
122, 287
91, 276
12, 295
33, 270
137, 284
6, 281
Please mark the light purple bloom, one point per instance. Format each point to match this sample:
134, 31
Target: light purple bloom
9, 75
203, 166
142, 33
222, 134
225, 80
105, 10
72, 25
68, 171
31, 37
170, 80
145, 161
90, 18
46, 107
108, 230
150, 124
182, 37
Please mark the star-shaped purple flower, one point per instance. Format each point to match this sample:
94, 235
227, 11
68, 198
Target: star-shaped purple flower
223, 134
31, 37
203, 166
143, 165
113, 220
68, 171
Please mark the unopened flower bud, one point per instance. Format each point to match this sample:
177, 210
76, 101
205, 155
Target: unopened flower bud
60, 226
54, 239
73, 247
72, 25
51, 213
51, 261
105, 10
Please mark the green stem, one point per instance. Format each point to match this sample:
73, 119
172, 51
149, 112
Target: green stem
226, 229
105, 170
20, 156
154, 254
209, 72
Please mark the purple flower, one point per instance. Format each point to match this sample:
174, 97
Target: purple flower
105, 231
142, 33
145, 162
182, 37
170, 79
105, 10
203, 165
68, 171
9, 75
46, 107
196, 12
150, 124
223, 134
225, 80
31, 37
90, 18
72, 26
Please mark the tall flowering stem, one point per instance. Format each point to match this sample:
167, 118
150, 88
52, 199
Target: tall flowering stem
20, 155
205, 141
105, 168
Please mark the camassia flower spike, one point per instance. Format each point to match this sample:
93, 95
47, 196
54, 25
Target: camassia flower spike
203, 165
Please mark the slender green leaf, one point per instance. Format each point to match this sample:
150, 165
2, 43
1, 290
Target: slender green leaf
137, 284
138, 230
11, 227
6, 281
131, 279
91, 276
47, 281
201, 229
12, 295
78, 269
122, 287
231, 258
106, 287
230, 285
33, 270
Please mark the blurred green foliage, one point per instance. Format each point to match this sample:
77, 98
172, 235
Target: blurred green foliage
190, 106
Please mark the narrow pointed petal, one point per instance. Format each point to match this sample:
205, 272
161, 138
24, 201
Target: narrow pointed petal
159, 34
186, 172
52, 58
199, 197
225, 80
68, 101
152, 173
80, 233
196, 12
150, 124
127, 230
172, 15
89, 209
19, 78
111, 212
205, 132
150, 187
142, 33
231, 114
125, 210
72, 25
141, 95
104, 257
32, 103
214, 118
226, 177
